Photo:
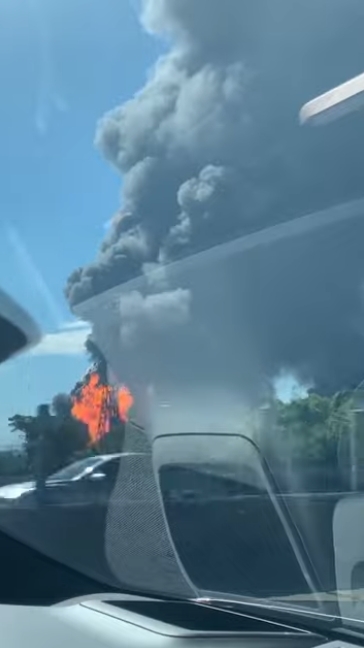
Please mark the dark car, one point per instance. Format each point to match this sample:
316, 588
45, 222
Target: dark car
88, 481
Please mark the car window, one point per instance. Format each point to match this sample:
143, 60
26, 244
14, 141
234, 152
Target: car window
75, 470
110, 469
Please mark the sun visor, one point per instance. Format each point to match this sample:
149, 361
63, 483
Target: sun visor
18, 332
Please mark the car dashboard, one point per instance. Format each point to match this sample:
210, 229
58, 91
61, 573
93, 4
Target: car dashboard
148, 624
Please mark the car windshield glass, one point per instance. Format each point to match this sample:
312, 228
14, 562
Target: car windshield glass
74, 470
182, 215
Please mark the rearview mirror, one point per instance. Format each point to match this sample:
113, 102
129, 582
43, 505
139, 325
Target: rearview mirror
18, 332
231, 531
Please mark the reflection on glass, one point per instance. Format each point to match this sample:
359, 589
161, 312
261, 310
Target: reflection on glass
211, 483
221, 290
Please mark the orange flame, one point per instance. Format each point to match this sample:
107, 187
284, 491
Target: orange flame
95, 405
125, 402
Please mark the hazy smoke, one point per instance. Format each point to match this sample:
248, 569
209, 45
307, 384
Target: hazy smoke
153, 312
211, 149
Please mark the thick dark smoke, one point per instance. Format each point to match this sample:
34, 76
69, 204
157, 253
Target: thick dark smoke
211, 149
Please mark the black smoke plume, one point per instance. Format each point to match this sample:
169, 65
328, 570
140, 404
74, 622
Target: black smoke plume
211, 149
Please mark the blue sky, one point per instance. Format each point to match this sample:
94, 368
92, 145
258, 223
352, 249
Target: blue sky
63, 63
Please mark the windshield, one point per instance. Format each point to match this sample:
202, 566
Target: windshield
182, 205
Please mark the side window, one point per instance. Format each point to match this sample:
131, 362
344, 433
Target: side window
111, 468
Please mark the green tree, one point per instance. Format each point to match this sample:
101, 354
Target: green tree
70, 435
313, 426
26, 427
50, 440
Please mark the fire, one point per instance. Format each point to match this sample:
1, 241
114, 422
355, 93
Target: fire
125, 402
97, 404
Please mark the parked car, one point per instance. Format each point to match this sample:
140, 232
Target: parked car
87, 481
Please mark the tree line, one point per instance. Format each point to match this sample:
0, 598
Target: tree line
315, 431
315, 440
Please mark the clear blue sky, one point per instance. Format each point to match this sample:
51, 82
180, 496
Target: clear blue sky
63, 63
